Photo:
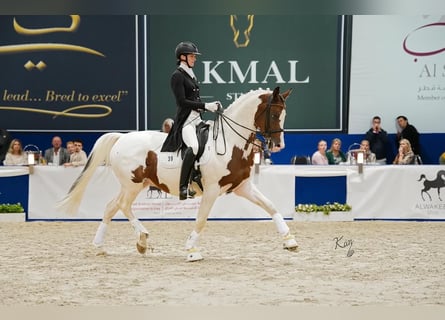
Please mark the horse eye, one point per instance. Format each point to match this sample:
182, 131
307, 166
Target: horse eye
275, 117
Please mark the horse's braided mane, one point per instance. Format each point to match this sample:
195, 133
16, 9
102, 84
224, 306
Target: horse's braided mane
247, 95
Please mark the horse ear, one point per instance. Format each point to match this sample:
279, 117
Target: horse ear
276, 92
286, 93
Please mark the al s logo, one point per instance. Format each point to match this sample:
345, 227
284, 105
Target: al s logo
236, 30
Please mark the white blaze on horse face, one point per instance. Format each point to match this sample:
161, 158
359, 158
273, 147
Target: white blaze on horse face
282, 118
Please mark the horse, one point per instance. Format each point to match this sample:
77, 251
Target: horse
438, 183
137, 162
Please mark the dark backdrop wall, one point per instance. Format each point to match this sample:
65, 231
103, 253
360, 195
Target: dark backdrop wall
79, 77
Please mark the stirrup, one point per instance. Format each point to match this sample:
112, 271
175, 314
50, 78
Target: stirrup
183, 194
192, 192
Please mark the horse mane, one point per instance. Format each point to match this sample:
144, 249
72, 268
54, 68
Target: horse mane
245, 96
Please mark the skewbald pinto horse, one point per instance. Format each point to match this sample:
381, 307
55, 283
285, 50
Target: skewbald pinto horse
137, 162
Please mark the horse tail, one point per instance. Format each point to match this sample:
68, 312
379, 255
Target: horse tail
422, 176
100, 155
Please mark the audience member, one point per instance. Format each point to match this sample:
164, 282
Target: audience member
5, 141
167, 125
406, 154
378, 140
78, 157
70, 147
407, 131
319, 156
334, 154
368, 156
442, 158
15, 155
57, 155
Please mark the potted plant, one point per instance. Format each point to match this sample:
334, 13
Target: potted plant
326, 212
12, 212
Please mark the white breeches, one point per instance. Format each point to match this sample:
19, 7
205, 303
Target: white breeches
189, 131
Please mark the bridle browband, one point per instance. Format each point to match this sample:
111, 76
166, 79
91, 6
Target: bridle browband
221, 118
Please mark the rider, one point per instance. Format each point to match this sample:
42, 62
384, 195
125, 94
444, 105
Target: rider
188, 114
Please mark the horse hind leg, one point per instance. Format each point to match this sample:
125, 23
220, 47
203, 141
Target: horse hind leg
99, 238
208, 199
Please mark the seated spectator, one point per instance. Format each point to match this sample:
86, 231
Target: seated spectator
70, 147
167, 125
57, 155
442, 158
319, 156
78, 157
335, 155
406, 154
368, 156
15, 155
5, 141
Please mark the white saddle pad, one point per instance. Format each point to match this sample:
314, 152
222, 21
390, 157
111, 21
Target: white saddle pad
172, 160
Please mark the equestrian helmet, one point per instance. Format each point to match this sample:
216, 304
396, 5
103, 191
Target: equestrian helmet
186, 47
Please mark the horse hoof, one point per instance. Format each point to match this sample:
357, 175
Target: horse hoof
95, 251
290, 243
101, 252
194, 255
141, 249
141, 245
294, 249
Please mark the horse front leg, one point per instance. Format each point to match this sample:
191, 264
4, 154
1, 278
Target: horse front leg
208, 199
250, 192
125, 201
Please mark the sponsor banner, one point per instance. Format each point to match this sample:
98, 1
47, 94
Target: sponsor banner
397, 192
246, 52
68, 73
397, 68
50, 184
380, 192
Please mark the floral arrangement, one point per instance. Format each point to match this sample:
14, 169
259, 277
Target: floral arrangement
11, 208
326, 208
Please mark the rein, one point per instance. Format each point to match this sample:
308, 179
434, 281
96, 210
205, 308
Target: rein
221, 118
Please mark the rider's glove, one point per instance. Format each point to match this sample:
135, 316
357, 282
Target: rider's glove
212, 106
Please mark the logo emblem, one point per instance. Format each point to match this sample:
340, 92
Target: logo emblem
438, 183
236, 31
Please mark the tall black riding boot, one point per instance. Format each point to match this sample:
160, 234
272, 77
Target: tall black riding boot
186, 169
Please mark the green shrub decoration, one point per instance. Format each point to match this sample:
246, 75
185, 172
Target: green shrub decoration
326, 208
11, 208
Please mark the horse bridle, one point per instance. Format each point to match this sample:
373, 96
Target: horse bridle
266, 134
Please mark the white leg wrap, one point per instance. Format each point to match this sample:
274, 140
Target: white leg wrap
100, 234
282, 227
191, 240
138, 227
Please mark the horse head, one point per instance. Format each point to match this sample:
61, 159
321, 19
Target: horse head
270, 115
